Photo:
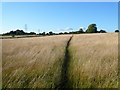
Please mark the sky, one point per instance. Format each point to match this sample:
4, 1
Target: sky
59, 16
59, 0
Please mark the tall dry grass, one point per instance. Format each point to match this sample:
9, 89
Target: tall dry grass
0, 63
33, 62
94, 61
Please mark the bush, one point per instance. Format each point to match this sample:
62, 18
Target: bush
13, 35
116, 30
102, 31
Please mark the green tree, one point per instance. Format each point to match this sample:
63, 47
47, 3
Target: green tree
92, 28
43, 33
81, 30
50, 33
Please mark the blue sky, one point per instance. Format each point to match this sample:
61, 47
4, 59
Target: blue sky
60, 0
59, 16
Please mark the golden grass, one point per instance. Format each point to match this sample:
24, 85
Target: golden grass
0, 63
33, 62
37, 62
94, 61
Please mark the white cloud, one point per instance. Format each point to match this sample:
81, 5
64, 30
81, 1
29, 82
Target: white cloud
3, 31
67, 29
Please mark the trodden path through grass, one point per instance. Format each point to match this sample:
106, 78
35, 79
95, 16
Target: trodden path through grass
64, 82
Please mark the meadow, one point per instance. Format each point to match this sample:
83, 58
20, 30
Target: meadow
33, 62
38, 62
94, 61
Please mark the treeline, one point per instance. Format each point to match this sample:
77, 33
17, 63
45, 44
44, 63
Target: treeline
92, 28
19, 32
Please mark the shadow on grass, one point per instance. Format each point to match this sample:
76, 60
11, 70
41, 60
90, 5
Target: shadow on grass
64, 82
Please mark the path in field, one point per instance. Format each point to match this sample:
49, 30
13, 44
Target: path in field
64, 82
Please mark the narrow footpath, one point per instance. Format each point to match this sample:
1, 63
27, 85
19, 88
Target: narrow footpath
64, 82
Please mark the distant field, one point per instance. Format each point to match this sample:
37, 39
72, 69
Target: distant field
18, 36
91, 61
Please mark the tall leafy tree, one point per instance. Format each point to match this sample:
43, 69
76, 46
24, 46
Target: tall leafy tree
92, 28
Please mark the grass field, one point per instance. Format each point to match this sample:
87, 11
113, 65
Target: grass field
0, 63
38, 62
94, 61
33, 62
